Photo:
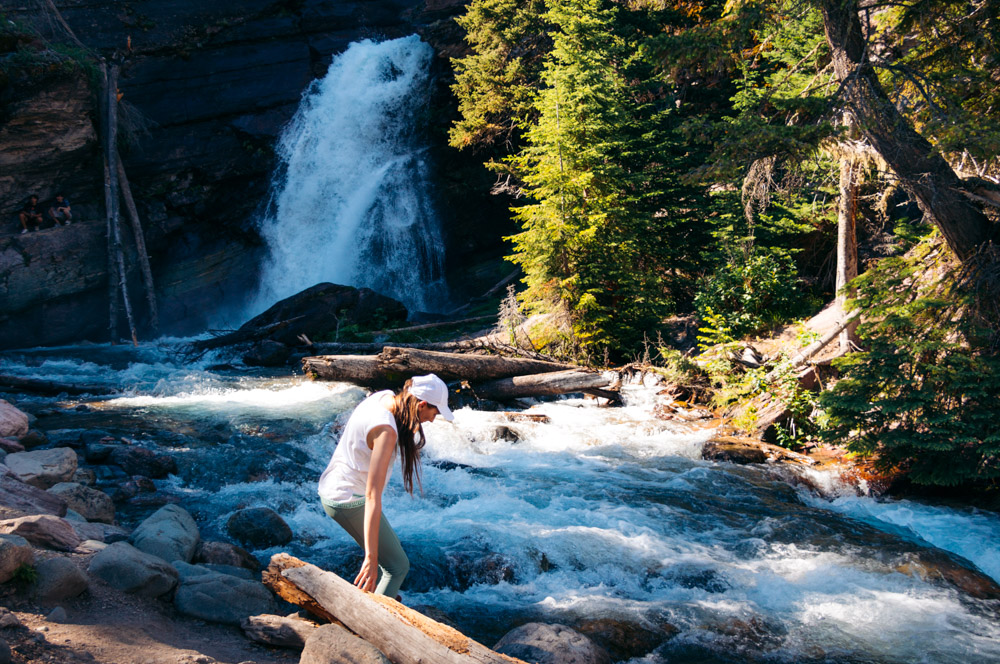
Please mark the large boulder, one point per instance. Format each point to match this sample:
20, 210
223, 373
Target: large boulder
259, 527
14, 552
13, 422
551, 644
323, 309
91, 504
278, 630
332, 644
18, 496
59, 579
221, 598
43, 468
44, 530
169, 533
124, 567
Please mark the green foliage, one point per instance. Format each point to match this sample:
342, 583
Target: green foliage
24, 575
922, 396
748, 294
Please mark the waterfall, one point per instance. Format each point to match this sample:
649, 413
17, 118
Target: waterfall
349, 201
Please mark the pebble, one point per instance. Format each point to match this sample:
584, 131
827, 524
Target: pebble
57, 615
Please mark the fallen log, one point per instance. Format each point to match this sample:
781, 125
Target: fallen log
239, 336
51, 387
394, 364
402, 634
809, 351
542, 385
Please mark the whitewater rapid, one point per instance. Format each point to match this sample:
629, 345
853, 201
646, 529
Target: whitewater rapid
597, 514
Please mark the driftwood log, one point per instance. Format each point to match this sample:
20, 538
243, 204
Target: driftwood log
402, 634
394, 364
51, 387
546, 384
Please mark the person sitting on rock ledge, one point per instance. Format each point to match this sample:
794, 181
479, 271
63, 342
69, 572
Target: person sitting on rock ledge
30, 215
60, 211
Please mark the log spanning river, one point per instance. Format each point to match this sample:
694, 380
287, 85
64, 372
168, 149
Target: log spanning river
604, 519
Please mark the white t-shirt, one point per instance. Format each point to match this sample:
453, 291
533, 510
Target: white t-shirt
346, 476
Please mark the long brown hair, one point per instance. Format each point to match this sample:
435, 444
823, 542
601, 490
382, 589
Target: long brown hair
410, 438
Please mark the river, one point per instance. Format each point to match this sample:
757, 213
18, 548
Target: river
601, 514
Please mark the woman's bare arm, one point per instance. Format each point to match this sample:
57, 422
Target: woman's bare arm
383, 443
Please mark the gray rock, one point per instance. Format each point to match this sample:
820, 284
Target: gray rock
5, 655
43, 468
240, 572
224, 553
13, 422
57, 615
169, 533
91, 546
85, 476
91, 504
220, 598
278, 630
332, 644
34, 438
136, 460
44, 530
88, 531
15, 495
9, 445
14, 552
59, 579
8, 619
259, 527
551, 644
124, 567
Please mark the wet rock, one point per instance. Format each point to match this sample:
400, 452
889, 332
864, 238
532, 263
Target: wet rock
491, 569
622, 639
506, 433
932, 565
134, 486
324, 308
34, 438
44, 530
97, 452
332, 644
220, 598
43, 468
278, 631
85, 476
13, 421
18, 497
9, 445
124, 567
224, 553
239, 572
140, 461
14, 552
733, 450
91, 504
59, 579
259, 527
169, 533
551, 644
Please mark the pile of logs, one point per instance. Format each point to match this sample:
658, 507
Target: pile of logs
490, 377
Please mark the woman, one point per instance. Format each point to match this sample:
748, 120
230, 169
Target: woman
351, 486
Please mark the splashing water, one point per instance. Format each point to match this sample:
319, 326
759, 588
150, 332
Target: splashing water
600, 514
350, 202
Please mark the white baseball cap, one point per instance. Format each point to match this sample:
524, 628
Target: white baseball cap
432, 389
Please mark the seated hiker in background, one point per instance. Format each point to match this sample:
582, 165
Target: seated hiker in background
30, 215
60, 212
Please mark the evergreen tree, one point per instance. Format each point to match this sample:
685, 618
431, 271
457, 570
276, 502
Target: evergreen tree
608, 226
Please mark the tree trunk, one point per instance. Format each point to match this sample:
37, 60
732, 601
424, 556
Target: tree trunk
542, 385
394, 365
110, 199
847, 243
50, 387
402, 634
922, 172
140, 244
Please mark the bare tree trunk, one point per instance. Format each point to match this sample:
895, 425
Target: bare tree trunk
110, 201
922, 172
140, 244
847, 243
114, 223
546, 384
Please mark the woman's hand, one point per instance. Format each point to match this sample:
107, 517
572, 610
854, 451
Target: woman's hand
368, 576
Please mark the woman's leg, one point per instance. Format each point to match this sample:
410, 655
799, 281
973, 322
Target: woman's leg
392, 561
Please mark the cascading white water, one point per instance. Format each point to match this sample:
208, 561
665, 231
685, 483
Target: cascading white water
349, 203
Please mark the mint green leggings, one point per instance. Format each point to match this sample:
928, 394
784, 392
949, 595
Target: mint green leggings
392, 561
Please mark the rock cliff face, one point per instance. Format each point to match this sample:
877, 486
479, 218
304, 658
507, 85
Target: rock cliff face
206, 88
